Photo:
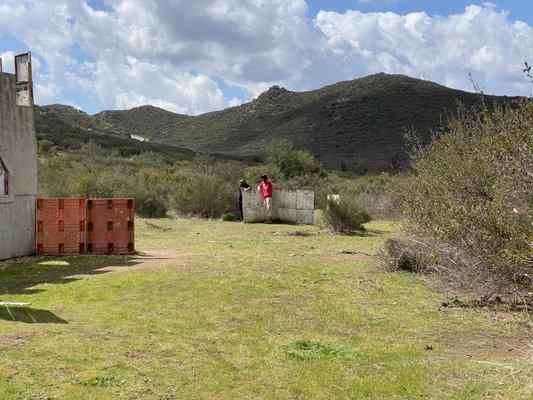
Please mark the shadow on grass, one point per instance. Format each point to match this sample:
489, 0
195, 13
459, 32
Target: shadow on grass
20, 277
29, 316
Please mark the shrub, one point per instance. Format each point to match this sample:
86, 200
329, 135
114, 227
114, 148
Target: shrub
45, 147
204, 195
150, 205
55, 176
345, 216
292, 163
152, 190
380, 205
229, 216
407, 254
149, 183
469, 201
253, 174
375, 192
284, 163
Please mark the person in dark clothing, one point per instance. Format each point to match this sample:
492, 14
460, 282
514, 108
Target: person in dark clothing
243, 187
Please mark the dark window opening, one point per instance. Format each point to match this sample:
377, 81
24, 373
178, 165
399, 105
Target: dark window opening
4, 180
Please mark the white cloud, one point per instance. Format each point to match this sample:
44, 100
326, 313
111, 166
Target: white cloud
45, 89
8, 61
46, 93
123, 69
166, 52
133, 82
235, 102
481, 40
74, 105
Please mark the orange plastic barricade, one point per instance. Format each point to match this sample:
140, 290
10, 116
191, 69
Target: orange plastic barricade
110, 226
61, 226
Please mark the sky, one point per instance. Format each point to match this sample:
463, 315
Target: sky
198, 56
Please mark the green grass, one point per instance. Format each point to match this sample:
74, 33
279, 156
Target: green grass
232, 311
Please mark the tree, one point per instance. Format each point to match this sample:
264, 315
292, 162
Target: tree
293, 163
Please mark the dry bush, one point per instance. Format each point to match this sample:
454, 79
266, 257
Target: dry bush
470, 200
381, 205
346, 216
375, 192
407, 253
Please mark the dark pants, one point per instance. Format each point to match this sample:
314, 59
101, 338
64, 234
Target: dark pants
241, 211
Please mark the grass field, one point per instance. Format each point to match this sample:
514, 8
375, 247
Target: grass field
216, 310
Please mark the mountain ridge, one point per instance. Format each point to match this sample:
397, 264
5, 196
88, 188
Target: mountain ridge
358, 123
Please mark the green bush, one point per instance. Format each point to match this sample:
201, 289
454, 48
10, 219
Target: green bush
204, 195
152, 190
469, 201
150, 205
253, 173
345, 216
45, 147
55, 177
202, 187
292, 163
229, 216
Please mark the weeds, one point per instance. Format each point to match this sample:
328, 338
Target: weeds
304, 350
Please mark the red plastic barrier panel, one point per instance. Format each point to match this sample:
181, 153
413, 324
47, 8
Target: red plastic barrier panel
110, 226
61, 226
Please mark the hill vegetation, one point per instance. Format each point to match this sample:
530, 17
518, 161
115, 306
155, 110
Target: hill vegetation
202, 186
468, 205
356, 126
64, 128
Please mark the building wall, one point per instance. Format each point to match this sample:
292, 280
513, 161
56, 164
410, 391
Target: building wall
18, 151
292, 206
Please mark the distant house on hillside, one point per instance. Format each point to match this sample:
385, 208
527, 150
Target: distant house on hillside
18, 161
138, 137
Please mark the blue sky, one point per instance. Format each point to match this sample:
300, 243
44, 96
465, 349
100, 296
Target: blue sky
194, 57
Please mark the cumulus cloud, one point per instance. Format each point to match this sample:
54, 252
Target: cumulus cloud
114, 57
133, 82
167, 52
481, 40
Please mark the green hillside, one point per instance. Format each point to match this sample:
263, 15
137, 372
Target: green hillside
66, 128
354, 124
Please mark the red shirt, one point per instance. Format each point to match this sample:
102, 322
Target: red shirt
266, 189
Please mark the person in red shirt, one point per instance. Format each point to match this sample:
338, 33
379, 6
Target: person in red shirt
266, 189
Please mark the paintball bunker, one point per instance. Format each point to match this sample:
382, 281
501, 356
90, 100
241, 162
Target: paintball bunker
291, 206
18, 161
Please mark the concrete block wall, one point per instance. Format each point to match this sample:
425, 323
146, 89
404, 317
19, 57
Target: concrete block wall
18, 151
291, 206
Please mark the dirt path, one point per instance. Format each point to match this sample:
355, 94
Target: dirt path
152, 259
